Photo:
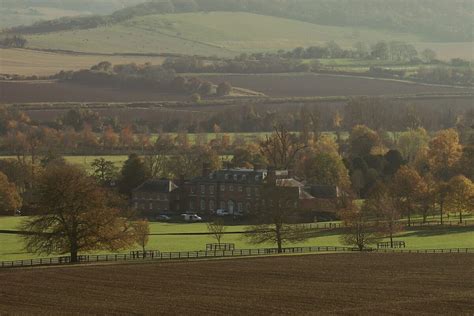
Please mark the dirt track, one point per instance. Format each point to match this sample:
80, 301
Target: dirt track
338, 283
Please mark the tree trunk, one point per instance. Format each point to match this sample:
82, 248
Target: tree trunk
441, 212
460, 217
74, 257
409, 218
278, 238
391, 240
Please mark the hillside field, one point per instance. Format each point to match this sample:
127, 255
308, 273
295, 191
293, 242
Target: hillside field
222, 34
409, 284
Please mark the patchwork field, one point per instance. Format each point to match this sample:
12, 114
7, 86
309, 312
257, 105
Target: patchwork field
41, 63
408, 284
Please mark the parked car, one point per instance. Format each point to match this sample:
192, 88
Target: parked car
163, 218
191, 218
221, 212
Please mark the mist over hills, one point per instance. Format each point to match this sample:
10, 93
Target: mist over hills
434, 20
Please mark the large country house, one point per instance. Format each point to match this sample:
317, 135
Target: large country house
235, 191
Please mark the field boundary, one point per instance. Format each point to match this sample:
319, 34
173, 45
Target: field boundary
155, 255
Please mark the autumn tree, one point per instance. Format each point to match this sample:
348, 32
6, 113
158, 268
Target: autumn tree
217, 229
275, 218
405, 187
280, 149
444, 153
141, 233
75, 216
362, 140
10, 199
412, 142
460, 196
359, 230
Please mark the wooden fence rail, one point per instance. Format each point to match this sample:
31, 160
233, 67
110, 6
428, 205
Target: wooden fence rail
180, 255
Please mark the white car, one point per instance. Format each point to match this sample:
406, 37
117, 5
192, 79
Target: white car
221, 212
191, 218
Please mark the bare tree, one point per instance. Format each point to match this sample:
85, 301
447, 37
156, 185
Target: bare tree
142, 232
276, 216
360, 230
217, 229
281, 148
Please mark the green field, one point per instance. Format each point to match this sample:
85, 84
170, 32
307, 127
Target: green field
432, 237
222, 34
216, 33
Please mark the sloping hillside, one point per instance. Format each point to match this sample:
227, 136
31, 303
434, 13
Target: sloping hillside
216, 33
433, 19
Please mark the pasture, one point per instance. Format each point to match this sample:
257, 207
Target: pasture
223, 34
42, 63
356, 283
179, 237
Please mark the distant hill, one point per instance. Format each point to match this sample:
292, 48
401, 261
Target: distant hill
434, 20
223, 34
25, 12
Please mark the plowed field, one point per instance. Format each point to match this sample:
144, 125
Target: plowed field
292, 85
374, 284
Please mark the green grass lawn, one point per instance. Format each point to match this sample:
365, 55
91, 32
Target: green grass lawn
425, 238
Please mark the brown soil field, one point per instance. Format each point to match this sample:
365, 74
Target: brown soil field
352, 284
306, 85
50, 91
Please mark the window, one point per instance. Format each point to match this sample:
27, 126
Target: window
227, 176
211, 175
230, 206
249, 191
192, 189
236, 177
222, 187
211, 189
151, 206
247, 207
203, 205
191, 205
203, 189
257, 192
231, 187
257, 178
212, 205
240, 188
136, 205
244, 177
222, 205
240, 207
